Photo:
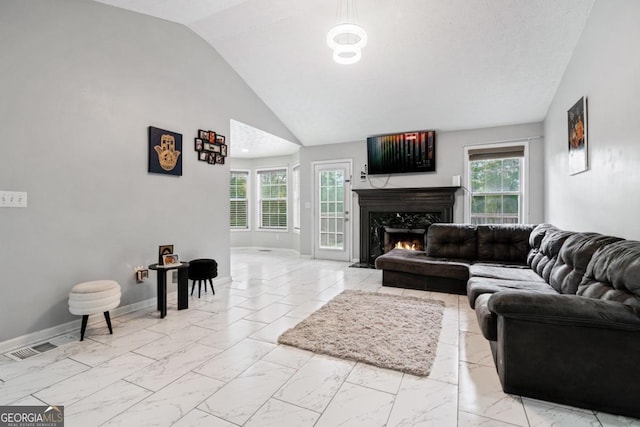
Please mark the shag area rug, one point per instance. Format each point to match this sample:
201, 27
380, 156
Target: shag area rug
383, 330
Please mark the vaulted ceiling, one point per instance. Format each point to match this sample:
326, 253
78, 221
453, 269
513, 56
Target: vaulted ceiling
429, 64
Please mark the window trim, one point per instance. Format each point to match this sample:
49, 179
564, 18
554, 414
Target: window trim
258, 200
525, 174
248, 173
294, 201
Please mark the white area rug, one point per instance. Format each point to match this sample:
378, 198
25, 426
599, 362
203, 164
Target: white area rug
388, 331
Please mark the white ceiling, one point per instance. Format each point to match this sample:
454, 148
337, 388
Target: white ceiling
429, 64
251, 143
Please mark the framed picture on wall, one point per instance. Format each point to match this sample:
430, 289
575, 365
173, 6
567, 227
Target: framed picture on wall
165, 148
213, 148
578, 138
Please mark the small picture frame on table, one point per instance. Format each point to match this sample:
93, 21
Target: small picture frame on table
164, 250
170, 260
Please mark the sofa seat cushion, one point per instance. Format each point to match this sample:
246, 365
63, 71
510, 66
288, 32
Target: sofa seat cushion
417, 262
487, 321
477, 286
504, 272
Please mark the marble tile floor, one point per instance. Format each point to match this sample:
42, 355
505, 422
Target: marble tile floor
218, 364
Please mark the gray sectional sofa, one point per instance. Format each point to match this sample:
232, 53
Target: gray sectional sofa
561, 309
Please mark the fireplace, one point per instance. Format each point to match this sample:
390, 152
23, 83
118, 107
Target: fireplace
388, 228
409, 209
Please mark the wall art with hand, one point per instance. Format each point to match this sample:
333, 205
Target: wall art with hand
165, 148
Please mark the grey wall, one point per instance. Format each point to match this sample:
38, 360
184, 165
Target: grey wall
288, 239
80, 84
605, 67
449, 162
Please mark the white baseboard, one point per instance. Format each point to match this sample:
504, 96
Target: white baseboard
74, 325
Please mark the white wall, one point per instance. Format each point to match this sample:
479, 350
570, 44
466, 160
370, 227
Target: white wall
449, 162
80, 84
285, 239
605, 67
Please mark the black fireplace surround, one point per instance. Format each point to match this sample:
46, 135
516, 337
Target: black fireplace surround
409, 208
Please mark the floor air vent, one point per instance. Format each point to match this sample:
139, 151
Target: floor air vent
264, 250
27, 352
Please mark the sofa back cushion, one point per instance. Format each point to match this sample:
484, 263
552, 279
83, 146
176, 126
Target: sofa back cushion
454, 241
571, 265
507, 243
535, 240
614, 273
544, 260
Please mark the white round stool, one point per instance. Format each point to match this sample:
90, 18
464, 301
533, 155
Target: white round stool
95, 297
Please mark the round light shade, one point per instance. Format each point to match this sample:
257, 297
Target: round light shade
347, 41
347, 55
351, 35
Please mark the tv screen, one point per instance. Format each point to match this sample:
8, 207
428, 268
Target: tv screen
402, 153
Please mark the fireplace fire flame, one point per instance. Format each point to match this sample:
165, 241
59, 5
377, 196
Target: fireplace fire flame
406, 245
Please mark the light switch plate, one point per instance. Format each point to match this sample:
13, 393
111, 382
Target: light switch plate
13, 199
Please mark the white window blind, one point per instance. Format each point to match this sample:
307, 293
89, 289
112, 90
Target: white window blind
239, 206
273, 199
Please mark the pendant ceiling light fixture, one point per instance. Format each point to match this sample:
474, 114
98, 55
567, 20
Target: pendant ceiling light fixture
347, 38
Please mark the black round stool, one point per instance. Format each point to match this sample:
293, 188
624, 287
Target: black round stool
202, 269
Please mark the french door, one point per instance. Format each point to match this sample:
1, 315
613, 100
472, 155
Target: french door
332, 207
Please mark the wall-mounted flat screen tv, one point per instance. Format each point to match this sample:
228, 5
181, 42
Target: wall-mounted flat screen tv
402, 153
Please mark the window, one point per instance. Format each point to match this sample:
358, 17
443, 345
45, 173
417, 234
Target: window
496, 185
296, 197
239, 203
272, 203
332, 215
